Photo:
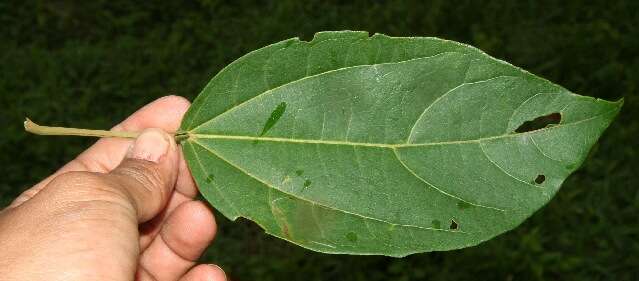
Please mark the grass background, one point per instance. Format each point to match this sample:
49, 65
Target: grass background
91, 63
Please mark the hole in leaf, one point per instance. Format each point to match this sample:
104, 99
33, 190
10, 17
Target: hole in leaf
540, 179
539, 123
453, 225
299, 172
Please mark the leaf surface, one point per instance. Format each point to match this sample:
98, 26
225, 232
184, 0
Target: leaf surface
380, 145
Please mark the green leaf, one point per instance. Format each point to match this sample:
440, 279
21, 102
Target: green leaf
380, 145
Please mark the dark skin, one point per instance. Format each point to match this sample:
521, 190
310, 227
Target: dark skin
122, 210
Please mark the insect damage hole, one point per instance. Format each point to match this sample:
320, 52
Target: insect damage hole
540, 179
453, 225
539, 123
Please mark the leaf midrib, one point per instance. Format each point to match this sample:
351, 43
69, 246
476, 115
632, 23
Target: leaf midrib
386, 145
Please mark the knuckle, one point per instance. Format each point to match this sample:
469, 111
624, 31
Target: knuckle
87, 197
80, 185
77, 179
139, 174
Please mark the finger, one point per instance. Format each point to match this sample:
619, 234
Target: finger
148, 173
184, 184
209, 272
113, 204
164, 113
150, 229
143, 275
184, 236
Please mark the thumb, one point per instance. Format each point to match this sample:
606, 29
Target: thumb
148, 172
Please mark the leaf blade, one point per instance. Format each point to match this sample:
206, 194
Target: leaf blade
363, 159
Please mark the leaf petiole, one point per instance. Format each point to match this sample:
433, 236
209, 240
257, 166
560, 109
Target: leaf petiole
34, 128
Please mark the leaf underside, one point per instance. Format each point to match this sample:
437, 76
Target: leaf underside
381, 145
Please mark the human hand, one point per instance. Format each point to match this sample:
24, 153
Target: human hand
123, 209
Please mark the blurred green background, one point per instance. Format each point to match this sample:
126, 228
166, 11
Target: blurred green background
91, 63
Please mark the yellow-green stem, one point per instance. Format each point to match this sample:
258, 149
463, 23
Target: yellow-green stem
34, 128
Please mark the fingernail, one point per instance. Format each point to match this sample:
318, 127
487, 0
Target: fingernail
220, 270
151, 145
